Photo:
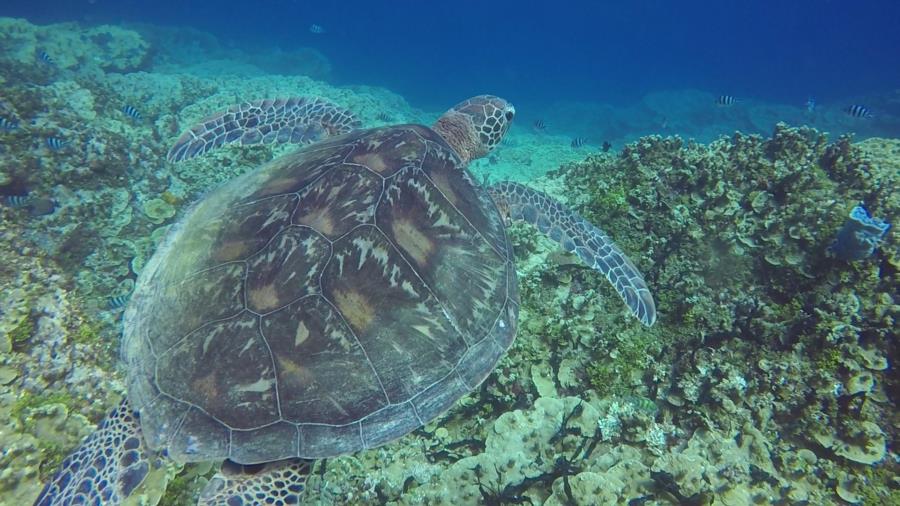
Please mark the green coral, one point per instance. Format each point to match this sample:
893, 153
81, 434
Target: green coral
158, 210
88, 333
613, 371
829, 360
29, 402
23, 331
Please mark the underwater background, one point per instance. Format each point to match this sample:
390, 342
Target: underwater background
745, 155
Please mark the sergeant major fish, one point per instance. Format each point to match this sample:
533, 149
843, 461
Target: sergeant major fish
726, 100
55, 143
132, 112
858, 111
8, 124
46, 58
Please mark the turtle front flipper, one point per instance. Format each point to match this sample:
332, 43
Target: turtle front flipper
106, 468
295, 120
576, 235
281, 482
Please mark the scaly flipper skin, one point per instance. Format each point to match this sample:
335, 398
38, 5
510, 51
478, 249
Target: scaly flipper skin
295, 120
106, 468
577, 235
281, 482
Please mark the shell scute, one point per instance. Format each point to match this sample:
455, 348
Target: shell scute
339, 386
224, 368
244, 229
286, 269
389, 150
338, 201
294, 172
401, 326
454, 260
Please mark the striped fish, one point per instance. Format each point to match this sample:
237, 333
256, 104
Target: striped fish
16, 201
383, 116
8, 124
132, 112
55, 143
858, 111
539, 125
117, 302
725, 100
317, 29
45, 58
577, 142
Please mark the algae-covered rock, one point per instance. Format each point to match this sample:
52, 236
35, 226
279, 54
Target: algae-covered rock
866, 444
67, 46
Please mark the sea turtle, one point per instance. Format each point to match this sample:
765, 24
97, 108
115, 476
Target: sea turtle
330, 301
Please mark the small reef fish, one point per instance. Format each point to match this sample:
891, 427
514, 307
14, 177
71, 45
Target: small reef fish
725, 100
577, 142
858, 111
42, 206
539, 125
132, 112
117, 302
35, 206
46, 58
383, 116
55, 143
16, 201
606, 146
8, 124
810, 105
317, 29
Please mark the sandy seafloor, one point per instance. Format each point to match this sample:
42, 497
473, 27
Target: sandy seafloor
768, 379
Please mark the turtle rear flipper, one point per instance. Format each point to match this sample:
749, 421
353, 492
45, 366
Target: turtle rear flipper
294, 120
281, 482
577, 235
106, 468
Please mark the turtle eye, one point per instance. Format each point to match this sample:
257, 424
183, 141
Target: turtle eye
509, 115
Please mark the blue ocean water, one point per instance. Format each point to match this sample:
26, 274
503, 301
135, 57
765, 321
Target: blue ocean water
433, 53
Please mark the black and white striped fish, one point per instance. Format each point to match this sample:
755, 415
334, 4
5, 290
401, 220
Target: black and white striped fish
539, 125
16, 201
55, 143
46, 58
317, 29
8, 124
858, 111
383, 116
725, 100
119, 301
132, 112
577, 142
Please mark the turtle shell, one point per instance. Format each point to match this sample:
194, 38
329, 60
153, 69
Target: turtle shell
332, 300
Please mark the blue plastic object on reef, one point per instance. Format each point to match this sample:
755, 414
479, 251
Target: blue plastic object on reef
859, 236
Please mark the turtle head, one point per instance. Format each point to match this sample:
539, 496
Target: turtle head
475, 126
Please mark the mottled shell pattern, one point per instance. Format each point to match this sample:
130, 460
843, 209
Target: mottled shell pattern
330, 301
